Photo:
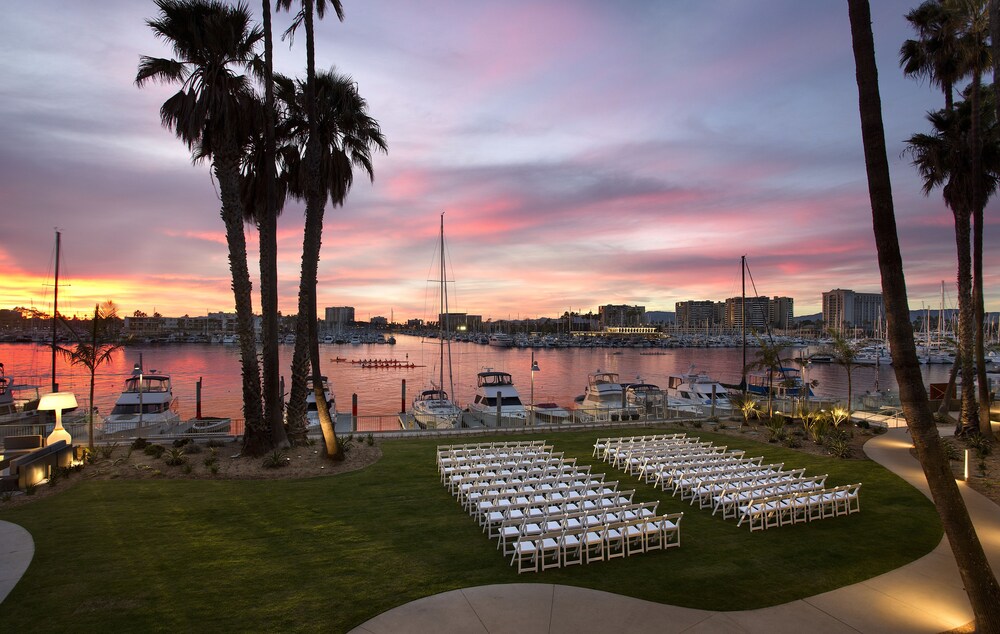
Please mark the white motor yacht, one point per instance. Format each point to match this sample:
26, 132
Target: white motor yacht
604, 399
434, 410
549, 414
147, 400
490, 386
697, 389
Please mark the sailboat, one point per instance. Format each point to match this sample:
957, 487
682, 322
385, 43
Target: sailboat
432, 408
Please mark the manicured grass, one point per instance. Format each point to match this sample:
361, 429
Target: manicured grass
330, 553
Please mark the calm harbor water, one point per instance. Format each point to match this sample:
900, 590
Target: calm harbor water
562, 371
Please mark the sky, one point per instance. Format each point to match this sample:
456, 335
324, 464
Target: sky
583, 153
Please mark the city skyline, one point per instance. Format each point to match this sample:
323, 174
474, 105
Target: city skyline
583, 154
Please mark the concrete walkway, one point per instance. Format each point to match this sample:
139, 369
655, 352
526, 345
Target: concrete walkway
16, 550
924, 596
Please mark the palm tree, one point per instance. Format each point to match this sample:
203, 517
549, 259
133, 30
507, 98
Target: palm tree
346, 137
945, 158
844, 354
306, 329
263, 203
94, 354
212, 114
770, 360
979, 581
952, 46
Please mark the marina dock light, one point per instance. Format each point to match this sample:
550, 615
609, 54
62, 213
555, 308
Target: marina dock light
57, 402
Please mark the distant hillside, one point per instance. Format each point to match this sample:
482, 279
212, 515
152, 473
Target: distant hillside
660, 317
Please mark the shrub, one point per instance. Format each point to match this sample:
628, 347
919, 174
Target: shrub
180, 442
174, 457
214, 468
107, 451
139, 443
950, 449
276, 460
839, 447
792, 442
215, 442
192, 447
54, 477
211, 460
981, 444
776, 428
154, 450
187, 469
839, 415
6, 496
370, 439
30, 489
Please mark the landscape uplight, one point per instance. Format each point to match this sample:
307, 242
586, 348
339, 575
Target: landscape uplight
57, 402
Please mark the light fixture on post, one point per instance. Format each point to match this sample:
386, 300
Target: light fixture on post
534, 368
57, 402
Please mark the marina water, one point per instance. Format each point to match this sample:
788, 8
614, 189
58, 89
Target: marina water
562, 372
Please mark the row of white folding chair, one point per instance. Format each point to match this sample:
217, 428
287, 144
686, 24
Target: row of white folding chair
668, 474
469, 495
513, 529
536, 466
567, 547
781, 510
473, 457
521, 508
461, 456
737, 493
647, 470
481, 446
682, 480
712, 492
731, 498
576, 492
617, 456
457, 476
602, 444
454, 476
591, 496
537, 473
631, 458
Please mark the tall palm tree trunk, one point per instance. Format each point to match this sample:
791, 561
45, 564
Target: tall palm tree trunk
296, 412
979, 581
256, 437
966, 323
93, 373
268, 229
315, 202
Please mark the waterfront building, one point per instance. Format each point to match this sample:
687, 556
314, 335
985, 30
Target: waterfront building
781, 313
337, 317
843, 309
757, 312
450, 322
621, 315
699, 314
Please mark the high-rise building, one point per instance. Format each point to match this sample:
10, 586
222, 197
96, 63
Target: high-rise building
339, 316
782, 313
844, 308
699, 313
621, 315
757, 312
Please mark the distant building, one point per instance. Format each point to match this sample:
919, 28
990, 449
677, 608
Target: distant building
844, 309
782, 313
699, 313
450, 322
379, 322
337, 317
612, 315
757, 312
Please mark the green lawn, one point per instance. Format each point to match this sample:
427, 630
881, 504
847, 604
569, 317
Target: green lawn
330, 553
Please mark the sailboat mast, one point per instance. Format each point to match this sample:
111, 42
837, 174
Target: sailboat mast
444, 305
55, 313
743, 318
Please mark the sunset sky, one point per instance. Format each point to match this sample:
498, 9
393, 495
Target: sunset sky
584, 153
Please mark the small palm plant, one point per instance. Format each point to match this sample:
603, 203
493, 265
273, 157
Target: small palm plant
839, 415
747, 405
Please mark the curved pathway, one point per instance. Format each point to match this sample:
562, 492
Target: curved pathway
923, 596
16, 550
